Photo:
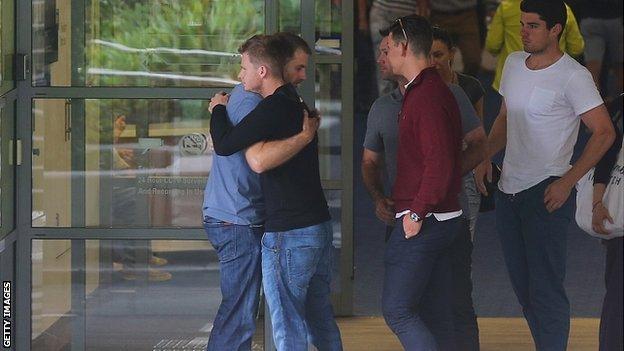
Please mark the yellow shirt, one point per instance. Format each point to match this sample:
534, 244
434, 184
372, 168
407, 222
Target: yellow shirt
503, 35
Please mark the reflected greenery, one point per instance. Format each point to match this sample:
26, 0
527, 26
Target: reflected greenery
168, 43
328, 20
186, 43
7, 45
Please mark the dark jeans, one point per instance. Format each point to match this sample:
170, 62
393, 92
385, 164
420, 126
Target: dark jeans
124, 214
417, 290
238, 249
534, 246
611, 338
464, 317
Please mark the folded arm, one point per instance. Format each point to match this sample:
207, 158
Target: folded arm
228, 139
266, 155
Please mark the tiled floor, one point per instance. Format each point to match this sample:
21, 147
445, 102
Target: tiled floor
509, 334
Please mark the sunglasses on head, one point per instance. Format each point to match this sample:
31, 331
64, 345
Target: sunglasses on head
402, 28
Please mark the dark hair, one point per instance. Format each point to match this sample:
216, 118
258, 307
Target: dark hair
418, 32
281, 50
442, 35
549, 11
384, 32
295, 41
262, 53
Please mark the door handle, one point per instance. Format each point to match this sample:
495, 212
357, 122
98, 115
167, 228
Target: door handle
18, 149
67, 120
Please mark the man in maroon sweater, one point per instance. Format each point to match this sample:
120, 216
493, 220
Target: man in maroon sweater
417, 284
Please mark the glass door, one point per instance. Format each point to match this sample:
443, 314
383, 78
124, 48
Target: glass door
7, 119
115, 130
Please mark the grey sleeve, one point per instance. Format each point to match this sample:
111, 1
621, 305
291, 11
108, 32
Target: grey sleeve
373, 140
470, 120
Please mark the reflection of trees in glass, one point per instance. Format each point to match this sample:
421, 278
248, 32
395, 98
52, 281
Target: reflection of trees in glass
1, 51
2, 118
328, 20
7, 44
189, 40
290, 16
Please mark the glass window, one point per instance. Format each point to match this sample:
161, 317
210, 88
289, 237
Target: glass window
290, 16
328, 23
185, 43
329, 103
2, 26
140, 295
146, 162
3, 151
7, 168
334, 202
328, 27
7, 45
51, 294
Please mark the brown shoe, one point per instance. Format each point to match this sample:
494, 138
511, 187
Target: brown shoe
154, 275
157, 261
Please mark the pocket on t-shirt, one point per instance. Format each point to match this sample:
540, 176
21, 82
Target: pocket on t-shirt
541, 101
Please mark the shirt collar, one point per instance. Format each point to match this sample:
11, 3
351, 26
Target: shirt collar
410, 82
419, 78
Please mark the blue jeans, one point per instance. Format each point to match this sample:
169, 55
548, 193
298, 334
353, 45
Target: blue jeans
534, 246
297, 266
238, 249
417, 291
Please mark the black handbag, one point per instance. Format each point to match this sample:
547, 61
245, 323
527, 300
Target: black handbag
487, 202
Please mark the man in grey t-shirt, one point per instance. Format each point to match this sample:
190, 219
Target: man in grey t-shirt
380, 152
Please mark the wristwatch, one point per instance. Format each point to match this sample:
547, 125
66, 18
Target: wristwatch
414, 217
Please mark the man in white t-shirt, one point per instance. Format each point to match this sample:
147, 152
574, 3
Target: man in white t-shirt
545, 96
